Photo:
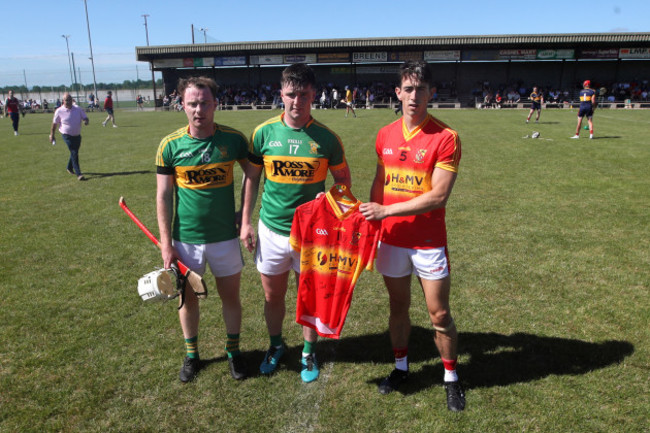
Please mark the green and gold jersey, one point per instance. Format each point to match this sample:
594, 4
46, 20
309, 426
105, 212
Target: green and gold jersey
296, 162
204, 205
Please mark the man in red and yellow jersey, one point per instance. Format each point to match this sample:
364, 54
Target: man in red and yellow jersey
418, 159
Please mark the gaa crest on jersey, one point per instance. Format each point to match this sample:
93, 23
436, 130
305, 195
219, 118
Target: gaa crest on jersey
313, 147
224, 151
419, 156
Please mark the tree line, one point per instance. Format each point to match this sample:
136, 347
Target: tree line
126, 84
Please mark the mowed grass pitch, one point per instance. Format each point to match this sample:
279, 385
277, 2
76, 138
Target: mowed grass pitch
550, 259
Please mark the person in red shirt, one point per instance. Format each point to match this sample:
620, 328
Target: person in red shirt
12, 109
418, 159
108, 107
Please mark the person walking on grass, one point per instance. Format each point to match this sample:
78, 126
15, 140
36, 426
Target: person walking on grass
108, 107
68, 118
12, 110
537, 99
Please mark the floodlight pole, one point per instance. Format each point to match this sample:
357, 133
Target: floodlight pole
69, 61
74, 70
205, 37
146, 29
26, 88
153, 78
92, 61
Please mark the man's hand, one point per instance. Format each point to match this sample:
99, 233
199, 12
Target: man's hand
169, 255
373, 211
247, 237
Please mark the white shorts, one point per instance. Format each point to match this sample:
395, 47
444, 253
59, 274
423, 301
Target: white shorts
396, 262
274, 255
224, 258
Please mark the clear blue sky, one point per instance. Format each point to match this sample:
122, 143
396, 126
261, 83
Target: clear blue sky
33, 50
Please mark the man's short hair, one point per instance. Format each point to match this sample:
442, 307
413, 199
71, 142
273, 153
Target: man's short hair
299, 76
199, 83
418, 70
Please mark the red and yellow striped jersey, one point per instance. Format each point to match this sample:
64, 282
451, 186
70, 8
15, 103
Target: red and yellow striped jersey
409, 159
336, 243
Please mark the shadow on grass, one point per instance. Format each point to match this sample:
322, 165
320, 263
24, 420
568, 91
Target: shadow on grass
494, 359
91, 176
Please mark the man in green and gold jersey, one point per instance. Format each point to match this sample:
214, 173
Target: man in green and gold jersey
196, 214
295, 152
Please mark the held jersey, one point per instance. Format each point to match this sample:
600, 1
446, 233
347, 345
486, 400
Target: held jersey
336, 243
295, 162
408, 159
586, 96
203, 177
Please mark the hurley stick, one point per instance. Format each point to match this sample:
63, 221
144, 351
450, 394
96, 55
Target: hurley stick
194, 280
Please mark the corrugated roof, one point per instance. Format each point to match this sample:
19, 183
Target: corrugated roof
415, 42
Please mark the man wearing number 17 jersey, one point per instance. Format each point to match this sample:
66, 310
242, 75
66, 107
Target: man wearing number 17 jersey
418, 159
295, 152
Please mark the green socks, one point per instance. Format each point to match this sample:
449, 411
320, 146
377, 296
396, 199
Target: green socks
308, 348
192, 347
232, 345
276, 340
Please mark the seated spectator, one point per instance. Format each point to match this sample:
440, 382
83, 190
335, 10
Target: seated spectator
488, 100
512, 96
498, 100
